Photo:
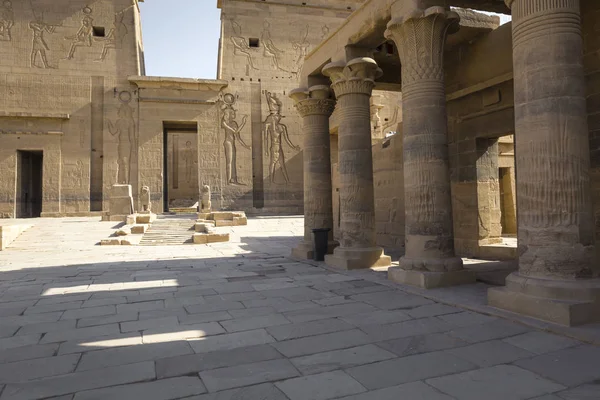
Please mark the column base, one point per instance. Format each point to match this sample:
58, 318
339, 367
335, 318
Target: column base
565, 302
304, 250
430, 280
361, 258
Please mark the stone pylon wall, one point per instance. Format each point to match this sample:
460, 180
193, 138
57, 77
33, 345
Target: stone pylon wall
63, 77
262, 51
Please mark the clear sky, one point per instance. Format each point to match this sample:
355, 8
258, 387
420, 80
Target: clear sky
181, 37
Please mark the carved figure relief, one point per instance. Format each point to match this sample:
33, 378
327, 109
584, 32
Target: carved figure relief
205, 203
241, 45
145, 199
325, 30
232, 135
301, 47
39, 47
7, 20
114, 37
276, 134
124, 130
74, 174
84, 35
270, 50
187, 154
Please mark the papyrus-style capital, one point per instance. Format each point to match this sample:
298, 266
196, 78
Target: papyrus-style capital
314, 101
356, 76
509, 3
420, 37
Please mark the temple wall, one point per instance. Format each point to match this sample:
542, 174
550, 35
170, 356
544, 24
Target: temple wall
62, 70
262, 51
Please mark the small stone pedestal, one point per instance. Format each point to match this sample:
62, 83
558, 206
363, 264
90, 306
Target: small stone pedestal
120, 203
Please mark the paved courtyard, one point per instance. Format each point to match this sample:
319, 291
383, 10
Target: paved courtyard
242, 320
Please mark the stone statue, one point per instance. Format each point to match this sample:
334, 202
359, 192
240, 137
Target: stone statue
145, 199
205, 203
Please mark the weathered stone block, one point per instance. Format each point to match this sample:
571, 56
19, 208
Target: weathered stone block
224, 222
139, 229
217, 237
238, 221
200, 238
145, 218
110, 242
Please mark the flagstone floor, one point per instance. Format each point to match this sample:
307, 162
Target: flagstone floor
242, 320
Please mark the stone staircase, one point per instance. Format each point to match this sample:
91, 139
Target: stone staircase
170, 230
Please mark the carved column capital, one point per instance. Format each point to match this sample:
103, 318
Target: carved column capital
356, 76
420, 36
313, 101
509, 3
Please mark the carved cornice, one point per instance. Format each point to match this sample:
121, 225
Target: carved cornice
357, 76
314, 101
420, 37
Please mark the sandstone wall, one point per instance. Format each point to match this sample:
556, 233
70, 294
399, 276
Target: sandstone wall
263, 45
63, 75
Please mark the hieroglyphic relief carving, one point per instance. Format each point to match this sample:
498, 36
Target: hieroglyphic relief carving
7, 21
188, 157
275, 134
124, 130
84, 35
39, 46
241, 45
73, 175
301, 47
232, 135
325, 32
270, 50
114, 38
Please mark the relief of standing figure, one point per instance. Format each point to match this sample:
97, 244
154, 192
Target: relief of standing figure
232, 134
275, 134
124, 130
7, 20
39, 43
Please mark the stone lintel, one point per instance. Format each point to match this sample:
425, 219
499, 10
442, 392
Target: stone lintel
160, 82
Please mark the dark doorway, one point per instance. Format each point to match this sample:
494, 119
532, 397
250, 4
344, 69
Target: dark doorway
180, 165
29, 184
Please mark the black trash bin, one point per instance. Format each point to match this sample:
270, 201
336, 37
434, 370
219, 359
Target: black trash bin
320, 242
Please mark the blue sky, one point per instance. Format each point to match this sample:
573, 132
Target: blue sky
181, 37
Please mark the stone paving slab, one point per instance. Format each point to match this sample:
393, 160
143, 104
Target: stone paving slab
194, 363
323, 386
178, 321
409, 391
164, 389
495, 383
247, 374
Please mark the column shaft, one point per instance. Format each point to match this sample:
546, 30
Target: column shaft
353, 84
429, 259
557, 276
355, 165
556, 225
315, 107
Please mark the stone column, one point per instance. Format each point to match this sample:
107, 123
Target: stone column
353, 83
315, 106
429, 259
557, 276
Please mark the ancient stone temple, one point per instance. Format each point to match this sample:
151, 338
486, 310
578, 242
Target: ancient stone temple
423, 131
78, 114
